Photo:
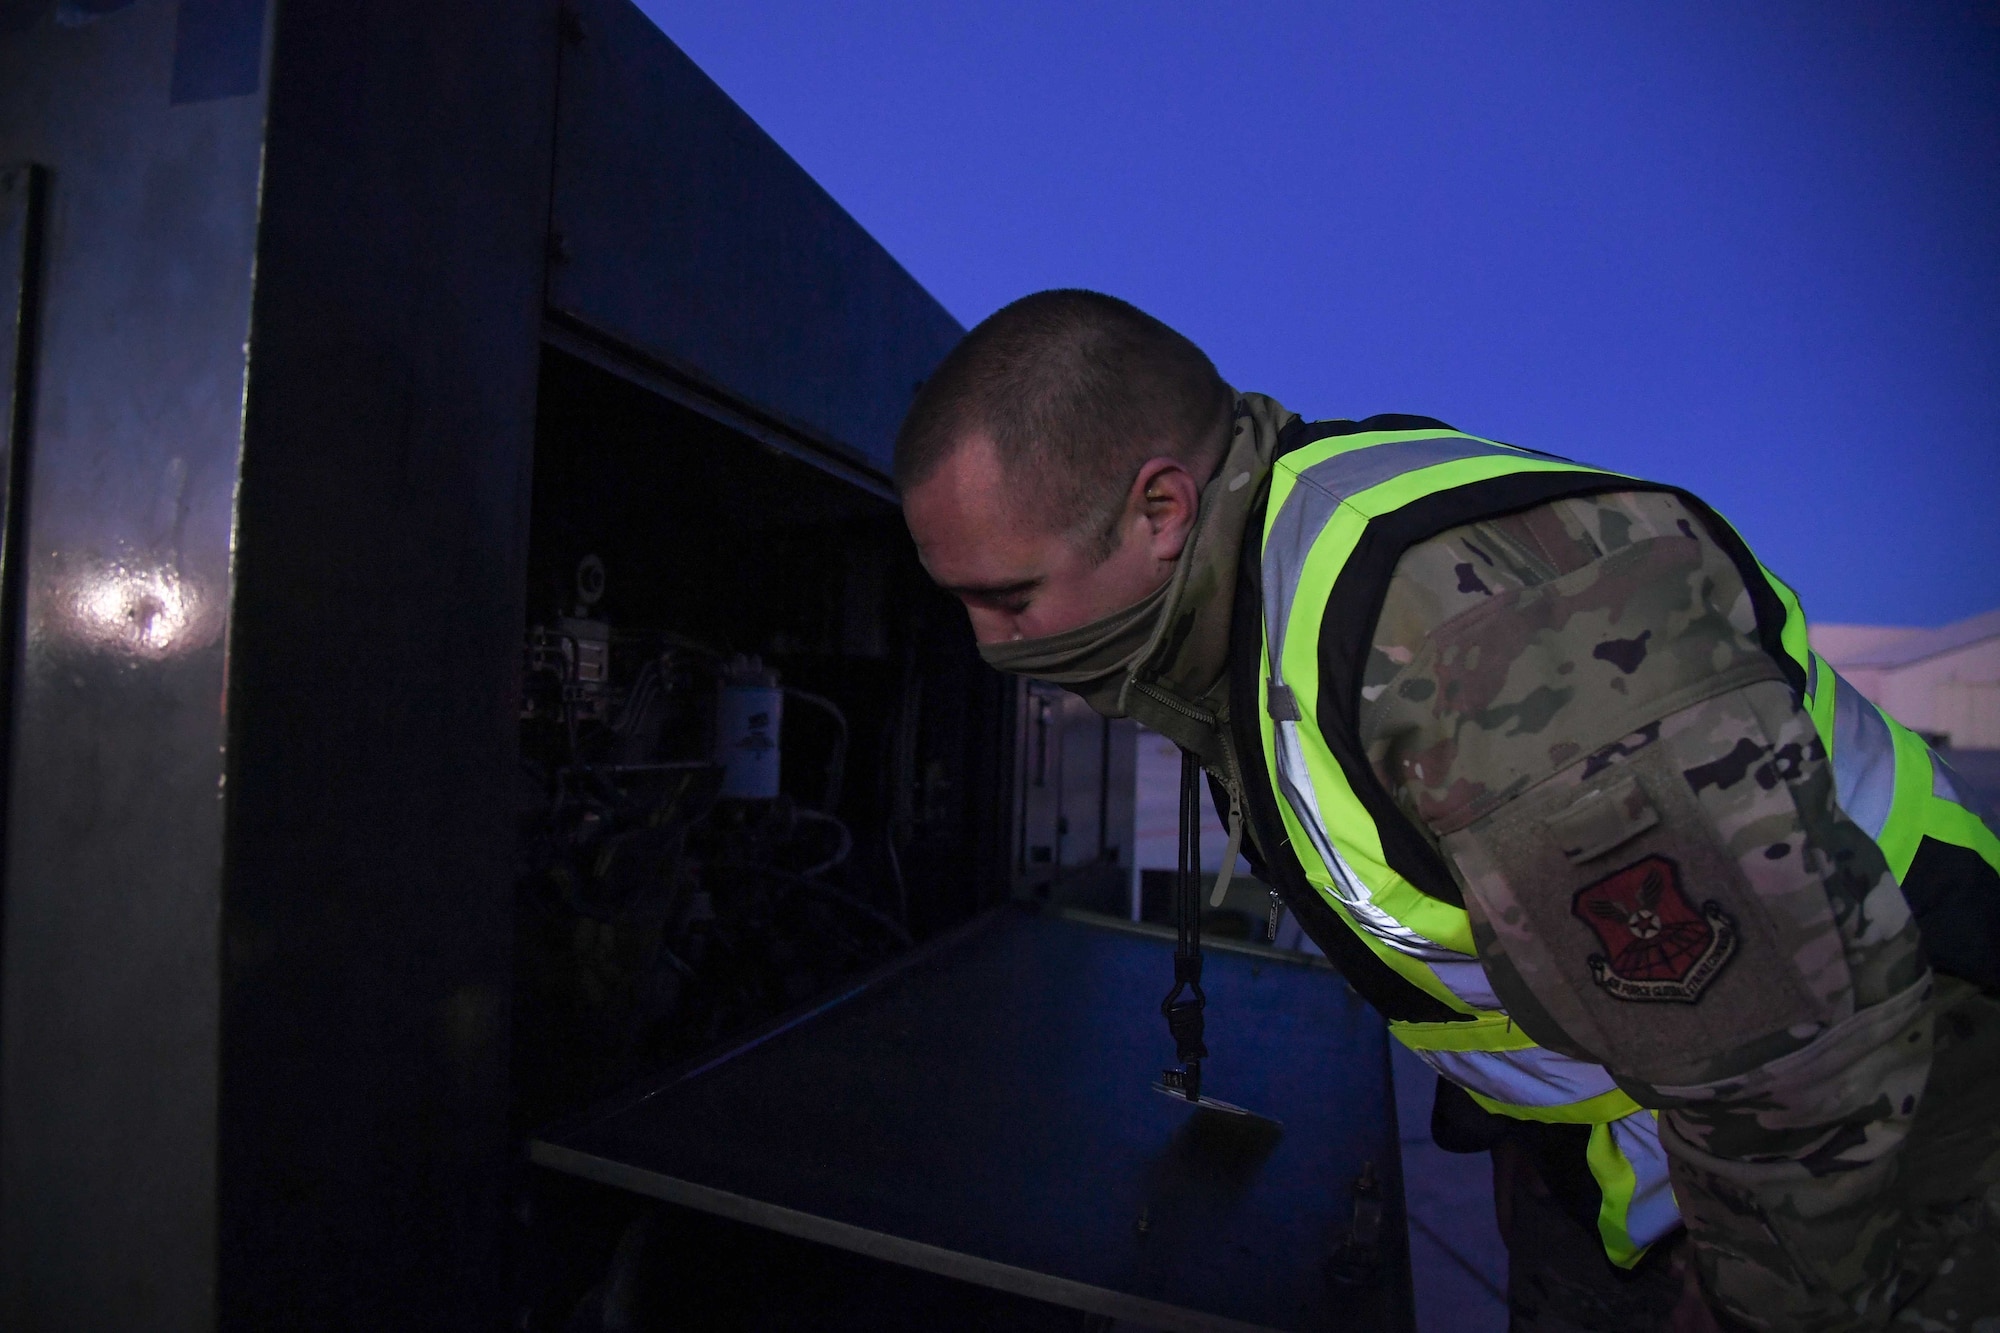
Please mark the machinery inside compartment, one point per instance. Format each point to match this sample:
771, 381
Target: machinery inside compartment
752, 742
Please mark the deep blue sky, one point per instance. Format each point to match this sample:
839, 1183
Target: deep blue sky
1753, 249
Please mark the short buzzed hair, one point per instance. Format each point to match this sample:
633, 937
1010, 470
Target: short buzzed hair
1076, 390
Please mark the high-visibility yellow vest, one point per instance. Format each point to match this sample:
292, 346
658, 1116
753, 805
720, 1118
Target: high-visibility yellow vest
1344, 503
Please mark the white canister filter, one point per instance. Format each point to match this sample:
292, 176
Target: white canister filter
747, 718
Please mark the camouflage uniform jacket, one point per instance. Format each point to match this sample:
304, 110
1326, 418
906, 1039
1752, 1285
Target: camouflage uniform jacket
1831, 1110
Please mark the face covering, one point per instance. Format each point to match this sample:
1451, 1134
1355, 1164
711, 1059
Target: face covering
1089, 654
1164, 659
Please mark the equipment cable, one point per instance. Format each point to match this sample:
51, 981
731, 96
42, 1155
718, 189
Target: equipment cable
836, 763
841, 849
826, 891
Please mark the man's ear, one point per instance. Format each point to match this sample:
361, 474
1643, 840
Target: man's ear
1168, 498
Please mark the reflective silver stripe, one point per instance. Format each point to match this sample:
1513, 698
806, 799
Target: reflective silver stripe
1347, 885
1466, 978
1345, 476
1942, 786
1947, 785
1320, 490
1652, 1212
1531, 1077
1463, 976
1864, 759
1300, 521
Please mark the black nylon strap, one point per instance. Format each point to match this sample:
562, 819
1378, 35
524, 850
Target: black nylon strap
1185, 1002
1955, 896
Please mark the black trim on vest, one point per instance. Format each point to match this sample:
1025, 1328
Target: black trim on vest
1955, 897
1268, 848
1355, 604
1322, 430
1764, 602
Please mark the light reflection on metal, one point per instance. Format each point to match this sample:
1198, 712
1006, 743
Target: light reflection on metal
146, 611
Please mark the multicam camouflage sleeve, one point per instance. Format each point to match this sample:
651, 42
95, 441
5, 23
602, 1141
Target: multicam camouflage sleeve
1573, 702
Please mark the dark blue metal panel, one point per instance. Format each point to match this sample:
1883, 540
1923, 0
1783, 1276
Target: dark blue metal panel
685, 233
375, 627
253, 1032
987, 1113
114, 832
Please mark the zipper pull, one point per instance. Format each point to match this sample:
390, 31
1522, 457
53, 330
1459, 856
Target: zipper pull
1271, 925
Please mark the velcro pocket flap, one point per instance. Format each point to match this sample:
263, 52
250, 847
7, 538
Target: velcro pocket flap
1602, 820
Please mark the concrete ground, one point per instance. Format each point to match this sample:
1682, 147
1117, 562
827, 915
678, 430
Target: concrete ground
1456, 1259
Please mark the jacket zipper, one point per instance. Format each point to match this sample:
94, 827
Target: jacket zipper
1188, 711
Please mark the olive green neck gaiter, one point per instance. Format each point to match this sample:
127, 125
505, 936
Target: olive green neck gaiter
1164, 660
1084, 659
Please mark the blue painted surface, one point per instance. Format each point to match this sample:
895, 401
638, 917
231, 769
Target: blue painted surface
218, 49
688, 236
995, 1101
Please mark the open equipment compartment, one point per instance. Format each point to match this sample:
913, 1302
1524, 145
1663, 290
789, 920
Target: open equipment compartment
756, 746
758, 752
759, 759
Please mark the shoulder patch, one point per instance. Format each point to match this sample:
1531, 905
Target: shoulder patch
1657, 944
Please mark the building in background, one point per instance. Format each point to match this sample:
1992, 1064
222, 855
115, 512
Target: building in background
1944, 683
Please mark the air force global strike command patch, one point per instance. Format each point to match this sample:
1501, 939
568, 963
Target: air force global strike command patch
1657, 945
